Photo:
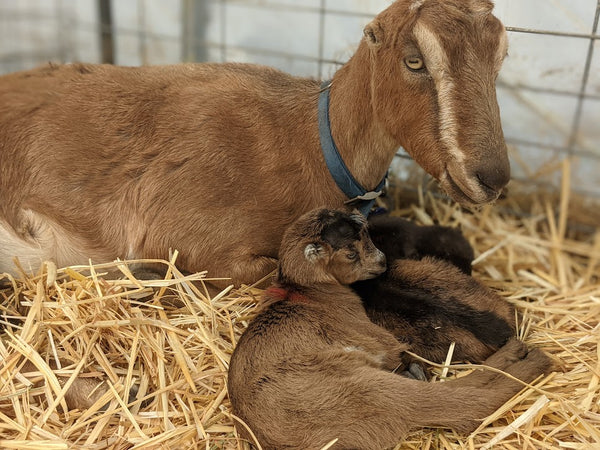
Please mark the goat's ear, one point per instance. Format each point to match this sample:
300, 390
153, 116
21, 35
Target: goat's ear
373, 33
314, 252
482, 6
358, 218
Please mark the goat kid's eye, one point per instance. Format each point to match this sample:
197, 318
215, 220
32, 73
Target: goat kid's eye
352, 256
414, 63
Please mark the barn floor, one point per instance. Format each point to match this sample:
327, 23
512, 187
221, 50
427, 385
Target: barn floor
175, 340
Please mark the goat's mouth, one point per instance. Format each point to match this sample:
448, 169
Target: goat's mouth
373, 273
464, 192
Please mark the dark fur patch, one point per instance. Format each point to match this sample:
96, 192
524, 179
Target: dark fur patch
399, 238
275, 315
339, 230
419, 307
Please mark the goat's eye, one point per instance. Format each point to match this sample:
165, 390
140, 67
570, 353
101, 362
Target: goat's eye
352, 256
414, 63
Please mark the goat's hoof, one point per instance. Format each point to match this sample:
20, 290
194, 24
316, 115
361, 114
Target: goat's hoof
133, 393
415, 372
514, 350
536, 363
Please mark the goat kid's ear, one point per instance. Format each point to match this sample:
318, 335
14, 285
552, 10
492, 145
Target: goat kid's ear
373, 33
314, 252
358, 218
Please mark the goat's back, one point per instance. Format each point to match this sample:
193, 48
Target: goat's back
98, 161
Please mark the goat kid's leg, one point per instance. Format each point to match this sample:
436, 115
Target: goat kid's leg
492, 389
374, 409
512, 352
460, 404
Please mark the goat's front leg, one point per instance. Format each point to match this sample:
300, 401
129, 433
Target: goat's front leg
239, 270
483, 391
389, 405
379, 342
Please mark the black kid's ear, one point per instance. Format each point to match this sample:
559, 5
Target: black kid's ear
358, 218
373, 33
314, 252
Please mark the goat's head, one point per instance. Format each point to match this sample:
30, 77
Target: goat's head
434, 65
329, 246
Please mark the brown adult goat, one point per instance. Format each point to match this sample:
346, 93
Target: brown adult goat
216, 160
312, 367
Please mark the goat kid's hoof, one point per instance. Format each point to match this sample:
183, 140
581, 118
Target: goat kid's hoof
536, 363
542, 360
415, 372
514, 350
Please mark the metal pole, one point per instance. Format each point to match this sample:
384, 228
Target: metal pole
106, 32
195, 21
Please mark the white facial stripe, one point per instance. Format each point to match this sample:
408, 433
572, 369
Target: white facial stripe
433, 52
438, 66
416, 4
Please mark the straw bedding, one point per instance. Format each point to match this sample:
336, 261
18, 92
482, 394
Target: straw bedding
174, 340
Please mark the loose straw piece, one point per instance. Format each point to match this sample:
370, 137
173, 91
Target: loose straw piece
524, 418
448, 361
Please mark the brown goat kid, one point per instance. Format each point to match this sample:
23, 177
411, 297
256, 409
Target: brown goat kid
312, 367
216, 160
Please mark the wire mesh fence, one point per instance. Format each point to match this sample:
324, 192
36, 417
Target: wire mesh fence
548, 90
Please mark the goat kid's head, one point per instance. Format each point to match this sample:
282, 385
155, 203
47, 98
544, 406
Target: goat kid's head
329, 246
434, 65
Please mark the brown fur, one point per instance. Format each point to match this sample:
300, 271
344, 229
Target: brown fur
216, 160
312, 367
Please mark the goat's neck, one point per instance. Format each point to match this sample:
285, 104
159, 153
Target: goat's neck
363, 144
325, 292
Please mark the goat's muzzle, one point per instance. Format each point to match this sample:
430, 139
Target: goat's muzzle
379, 265
476, 185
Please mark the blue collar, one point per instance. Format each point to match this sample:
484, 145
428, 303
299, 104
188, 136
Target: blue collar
358, 196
